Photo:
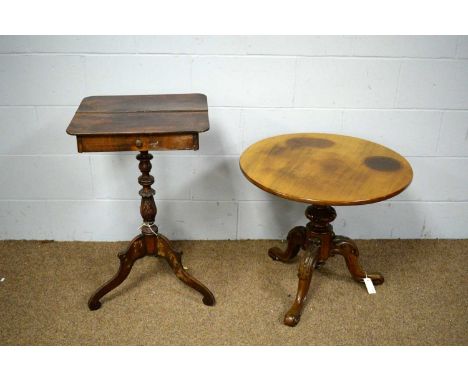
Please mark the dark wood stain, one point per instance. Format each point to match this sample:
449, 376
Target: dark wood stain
309, 142
381, 163
277, 150
333, 165
298, 143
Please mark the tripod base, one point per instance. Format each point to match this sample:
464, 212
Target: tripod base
149, 245
319, 242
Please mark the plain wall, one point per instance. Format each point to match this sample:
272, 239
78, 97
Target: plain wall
409, 93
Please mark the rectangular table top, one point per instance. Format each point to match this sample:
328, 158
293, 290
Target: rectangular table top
141, 114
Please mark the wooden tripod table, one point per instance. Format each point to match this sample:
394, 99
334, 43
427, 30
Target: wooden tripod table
323, 170
143, 123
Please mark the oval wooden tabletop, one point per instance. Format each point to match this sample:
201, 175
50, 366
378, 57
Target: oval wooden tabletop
326, 169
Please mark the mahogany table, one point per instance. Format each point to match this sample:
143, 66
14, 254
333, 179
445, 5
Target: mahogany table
323, 170
143, 123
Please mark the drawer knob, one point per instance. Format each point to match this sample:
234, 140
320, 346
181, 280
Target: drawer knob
138, 143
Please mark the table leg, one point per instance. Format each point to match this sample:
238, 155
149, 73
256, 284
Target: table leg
296, 240
346, 247
173, 257
306, 267
136, 250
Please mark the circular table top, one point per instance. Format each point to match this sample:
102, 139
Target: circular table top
326, 169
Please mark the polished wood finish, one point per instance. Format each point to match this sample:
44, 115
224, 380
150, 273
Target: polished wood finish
137, 142
319, 242
142, 114
144, 103
140, 123
307, 264
326, 169
296, 239
143, 123
149, 243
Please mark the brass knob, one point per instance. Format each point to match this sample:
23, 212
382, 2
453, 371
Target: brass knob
138, 143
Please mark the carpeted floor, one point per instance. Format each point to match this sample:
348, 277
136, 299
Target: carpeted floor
424, 300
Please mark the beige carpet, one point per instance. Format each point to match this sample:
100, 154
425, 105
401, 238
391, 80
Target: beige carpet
424, 300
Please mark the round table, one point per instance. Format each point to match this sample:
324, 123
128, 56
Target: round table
323, 170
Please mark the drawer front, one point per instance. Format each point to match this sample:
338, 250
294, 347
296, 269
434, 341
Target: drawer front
101, 143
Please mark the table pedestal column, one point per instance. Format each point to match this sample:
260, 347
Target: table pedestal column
319, 242
148, 243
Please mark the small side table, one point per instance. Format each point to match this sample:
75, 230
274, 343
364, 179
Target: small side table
323, 170
143, 123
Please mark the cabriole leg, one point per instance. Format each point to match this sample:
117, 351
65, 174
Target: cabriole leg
296, 239
306, 267
136, 250
173, 257
346, 247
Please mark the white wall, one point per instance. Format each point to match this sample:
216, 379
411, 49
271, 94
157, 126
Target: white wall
409, 93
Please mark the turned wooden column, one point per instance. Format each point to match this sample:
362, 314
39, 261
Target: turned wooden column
319, 227
148, 208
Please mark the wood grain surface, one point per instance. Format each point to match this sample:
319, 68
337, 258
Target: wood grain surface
141, 114
326, 169
138, 123
144, 103
137, 142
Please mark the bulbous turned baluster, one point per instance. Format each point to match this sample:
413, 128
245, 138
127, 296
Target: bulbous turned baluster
148, 208
320, 218
319, 227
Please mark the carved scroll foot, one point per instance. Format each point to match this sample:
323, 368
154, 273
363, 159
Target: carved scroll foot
346, 247
296, 239
306, 267
173, 257
135, 251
